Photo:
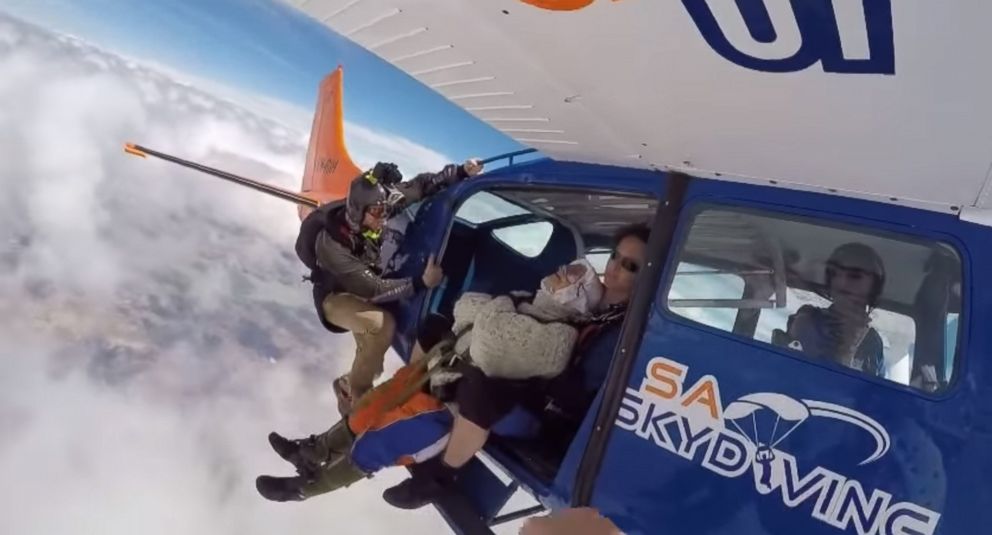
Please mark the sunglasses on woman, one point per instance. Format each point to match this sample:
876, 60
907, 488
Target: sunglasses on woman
626, 263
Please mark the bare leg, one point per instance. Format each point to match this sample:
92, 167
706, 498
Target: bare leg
417, 354
466, 440
439, 474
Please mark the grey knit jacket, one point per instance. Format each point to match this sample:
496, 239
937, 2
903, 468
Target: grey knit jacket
532, 339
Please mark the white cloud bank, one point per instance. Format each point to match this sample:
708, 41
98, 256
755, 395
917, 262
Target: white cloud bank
152, 324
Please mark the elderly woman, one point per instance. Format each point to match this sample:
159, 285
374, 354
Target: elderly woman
504, 337
483, 400
512, 338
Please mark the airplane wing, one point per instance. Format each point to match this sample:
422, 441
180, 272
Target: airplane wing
866, 98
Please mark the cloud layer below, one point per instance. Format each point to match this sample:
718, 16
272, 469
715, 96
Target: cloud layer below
154, 327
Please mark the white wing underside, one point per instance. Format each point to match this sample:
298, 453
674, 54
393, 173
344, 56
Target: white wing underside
634, 83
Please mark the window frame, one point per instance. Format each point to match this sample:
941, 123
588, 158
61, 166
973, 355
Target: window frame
870, 227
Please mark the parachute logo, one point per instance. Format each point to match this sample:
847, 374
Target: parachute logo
790, 414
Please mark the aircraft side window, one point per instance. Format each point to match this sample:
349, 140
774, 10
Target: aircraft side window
528, 239
484, 207
881, 304
599, 258
706, 295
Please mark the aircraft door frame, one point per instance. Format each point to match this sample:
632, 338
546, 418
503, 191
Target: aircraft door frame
659, 248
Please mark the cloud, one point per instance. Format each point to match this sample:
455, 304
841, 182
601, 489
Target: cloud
369, 147
154, 328
365, 145
174, 450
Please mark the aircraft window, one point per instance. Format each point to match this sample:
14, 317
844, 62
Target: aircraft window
599, 258
697, 293
484, 207
950, 342
884, 305
528, 239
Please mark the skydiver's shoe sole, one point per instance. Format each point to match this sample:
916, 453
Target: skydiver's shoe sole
413, 493
280, 489
296, 453
289, 450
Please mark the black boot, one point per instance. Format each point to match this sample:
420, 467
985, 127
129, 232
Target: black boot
281, 489
431, 481
298, 452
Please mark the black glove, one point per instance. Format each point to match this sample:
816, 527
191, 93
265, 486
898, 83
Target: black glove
387, 173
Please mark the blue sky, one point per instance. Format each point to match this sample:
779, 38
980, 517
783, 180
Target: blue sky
266, 47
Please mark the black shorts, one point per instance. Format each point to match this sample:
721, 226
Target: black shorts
484, 400
432, 330
481, 399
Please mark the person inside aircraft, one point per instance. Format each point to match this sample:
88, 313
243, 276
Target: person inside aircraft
502, 338
483, 401
349, 288
854, 277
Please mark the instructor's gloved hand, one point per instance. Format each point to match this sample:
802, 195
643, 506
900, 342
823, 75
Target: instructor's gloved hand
433, 275
472, 166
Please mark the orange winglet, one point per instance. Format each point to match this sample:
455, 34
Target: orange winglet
559, 5
329, 169
131, 149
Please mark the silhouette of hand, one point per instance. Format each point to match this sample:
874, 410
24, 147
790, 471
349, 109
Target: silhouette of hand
573, 521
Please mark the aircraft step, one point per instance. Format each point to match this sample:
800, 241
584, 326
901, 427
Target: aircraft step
474, 508
460, 513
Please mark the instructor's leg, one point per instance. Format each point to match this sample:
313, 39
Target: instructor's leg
373, 330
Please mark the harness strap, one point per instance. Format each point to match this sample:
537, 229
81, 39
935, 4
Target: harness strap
421, 371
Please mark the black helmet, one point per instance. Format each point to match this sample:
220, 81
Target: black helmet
369, 189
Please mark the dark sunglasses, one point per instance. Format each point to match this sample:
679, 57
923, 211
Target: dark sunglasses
626, 263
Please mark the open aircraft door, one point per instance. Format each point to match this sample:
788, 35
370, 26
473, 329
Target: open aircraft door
426, 225
473, 259
426, 230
